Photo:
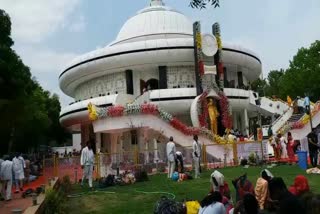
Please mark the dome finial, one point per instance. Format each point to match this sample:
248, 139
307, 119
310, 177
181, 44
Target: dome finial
156, 3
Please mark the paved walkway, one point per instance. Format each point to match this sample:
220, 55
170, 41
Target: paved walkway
17, 201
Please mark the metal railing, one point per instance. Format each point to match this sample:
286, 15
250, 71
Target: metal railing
152, 160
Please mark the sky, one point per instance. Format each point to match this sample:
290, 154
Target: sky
48, 34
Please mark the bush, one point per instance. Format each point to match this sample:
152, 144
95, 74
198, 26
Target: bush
252, 158
65, 185
244, 162
54, 202
141, 175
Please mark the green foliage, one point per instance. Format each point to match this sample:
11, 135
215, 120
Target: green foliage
201, 4
29, 115
300, 79
65, 185
54, 202
259, 86
252, 158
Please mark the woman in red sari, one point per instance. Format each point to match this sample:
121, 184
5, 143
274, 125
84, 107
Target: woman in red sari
277, 147
290, 148
300, 186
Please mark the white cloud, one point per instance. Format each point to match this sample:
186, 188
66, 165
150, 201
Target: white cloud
44, 60
35, 20
78, 25
46, 65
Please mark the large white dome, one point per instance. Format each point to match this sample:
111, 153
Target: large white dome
154, 20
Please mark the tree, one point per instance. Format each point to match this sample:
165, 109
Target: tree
201, 4
300, 79
29, 115
259, 86
274, 82
303, 75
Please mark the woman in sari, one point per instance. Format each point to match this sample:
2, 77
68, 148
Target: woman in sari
290, 147
300, 186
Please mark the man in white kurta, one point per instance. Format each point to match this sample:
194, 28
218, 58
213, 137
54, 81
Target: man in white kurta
18, 169
196, 155
6, 178
171, 151
87, 161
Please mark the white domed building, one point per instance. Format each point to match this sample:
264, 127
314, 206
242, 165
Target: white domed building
152, 61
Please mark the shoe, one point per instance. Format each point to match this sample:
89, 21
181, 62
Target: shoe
8, 200
17, 191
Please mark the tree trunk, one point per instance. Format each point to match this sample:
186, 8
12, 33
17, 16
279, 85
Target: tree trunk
11, 140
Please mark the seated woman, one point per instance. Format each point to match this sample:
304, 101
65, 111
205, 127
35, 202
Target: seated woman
219, 184
212, 204
300, 186
249, 205
242, 186
261, 189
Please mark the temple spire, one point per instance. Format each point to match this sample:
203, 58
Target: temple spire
156, 3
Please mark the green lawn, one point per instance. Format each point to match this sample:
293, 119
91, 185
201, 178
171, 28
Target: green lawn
127, 200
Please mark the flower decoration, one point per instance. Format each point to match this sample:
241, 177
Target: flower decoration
115, 111
225, 111
147, 108
203, 110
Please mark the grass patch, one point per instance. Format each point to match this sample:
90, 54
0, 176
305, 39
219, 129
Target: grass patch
127, 200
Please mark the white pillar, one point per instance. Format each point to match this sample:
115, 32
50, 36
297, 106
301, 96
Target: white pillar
246, 122
146, 145
98, 142
156, 154
235, 121
114, 141
120, 147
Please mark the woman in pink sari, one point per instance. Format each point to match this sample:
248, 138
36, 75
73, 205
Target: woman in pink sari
290, 148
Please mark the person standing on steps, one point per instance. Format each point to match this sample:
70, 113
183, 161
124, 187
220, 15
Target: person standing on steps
196, 155
171, 152
87, 162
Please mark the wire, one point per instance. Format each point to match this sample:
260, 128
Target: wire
167, 193
77, 195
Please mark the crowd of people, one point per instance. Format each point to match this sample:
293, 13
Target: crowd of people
269, 195
16, 171
285, 147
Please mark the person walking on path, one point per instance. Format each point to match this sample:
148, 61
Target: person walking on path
171, 151
196, 155
87, 161
18, 168
6, 174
